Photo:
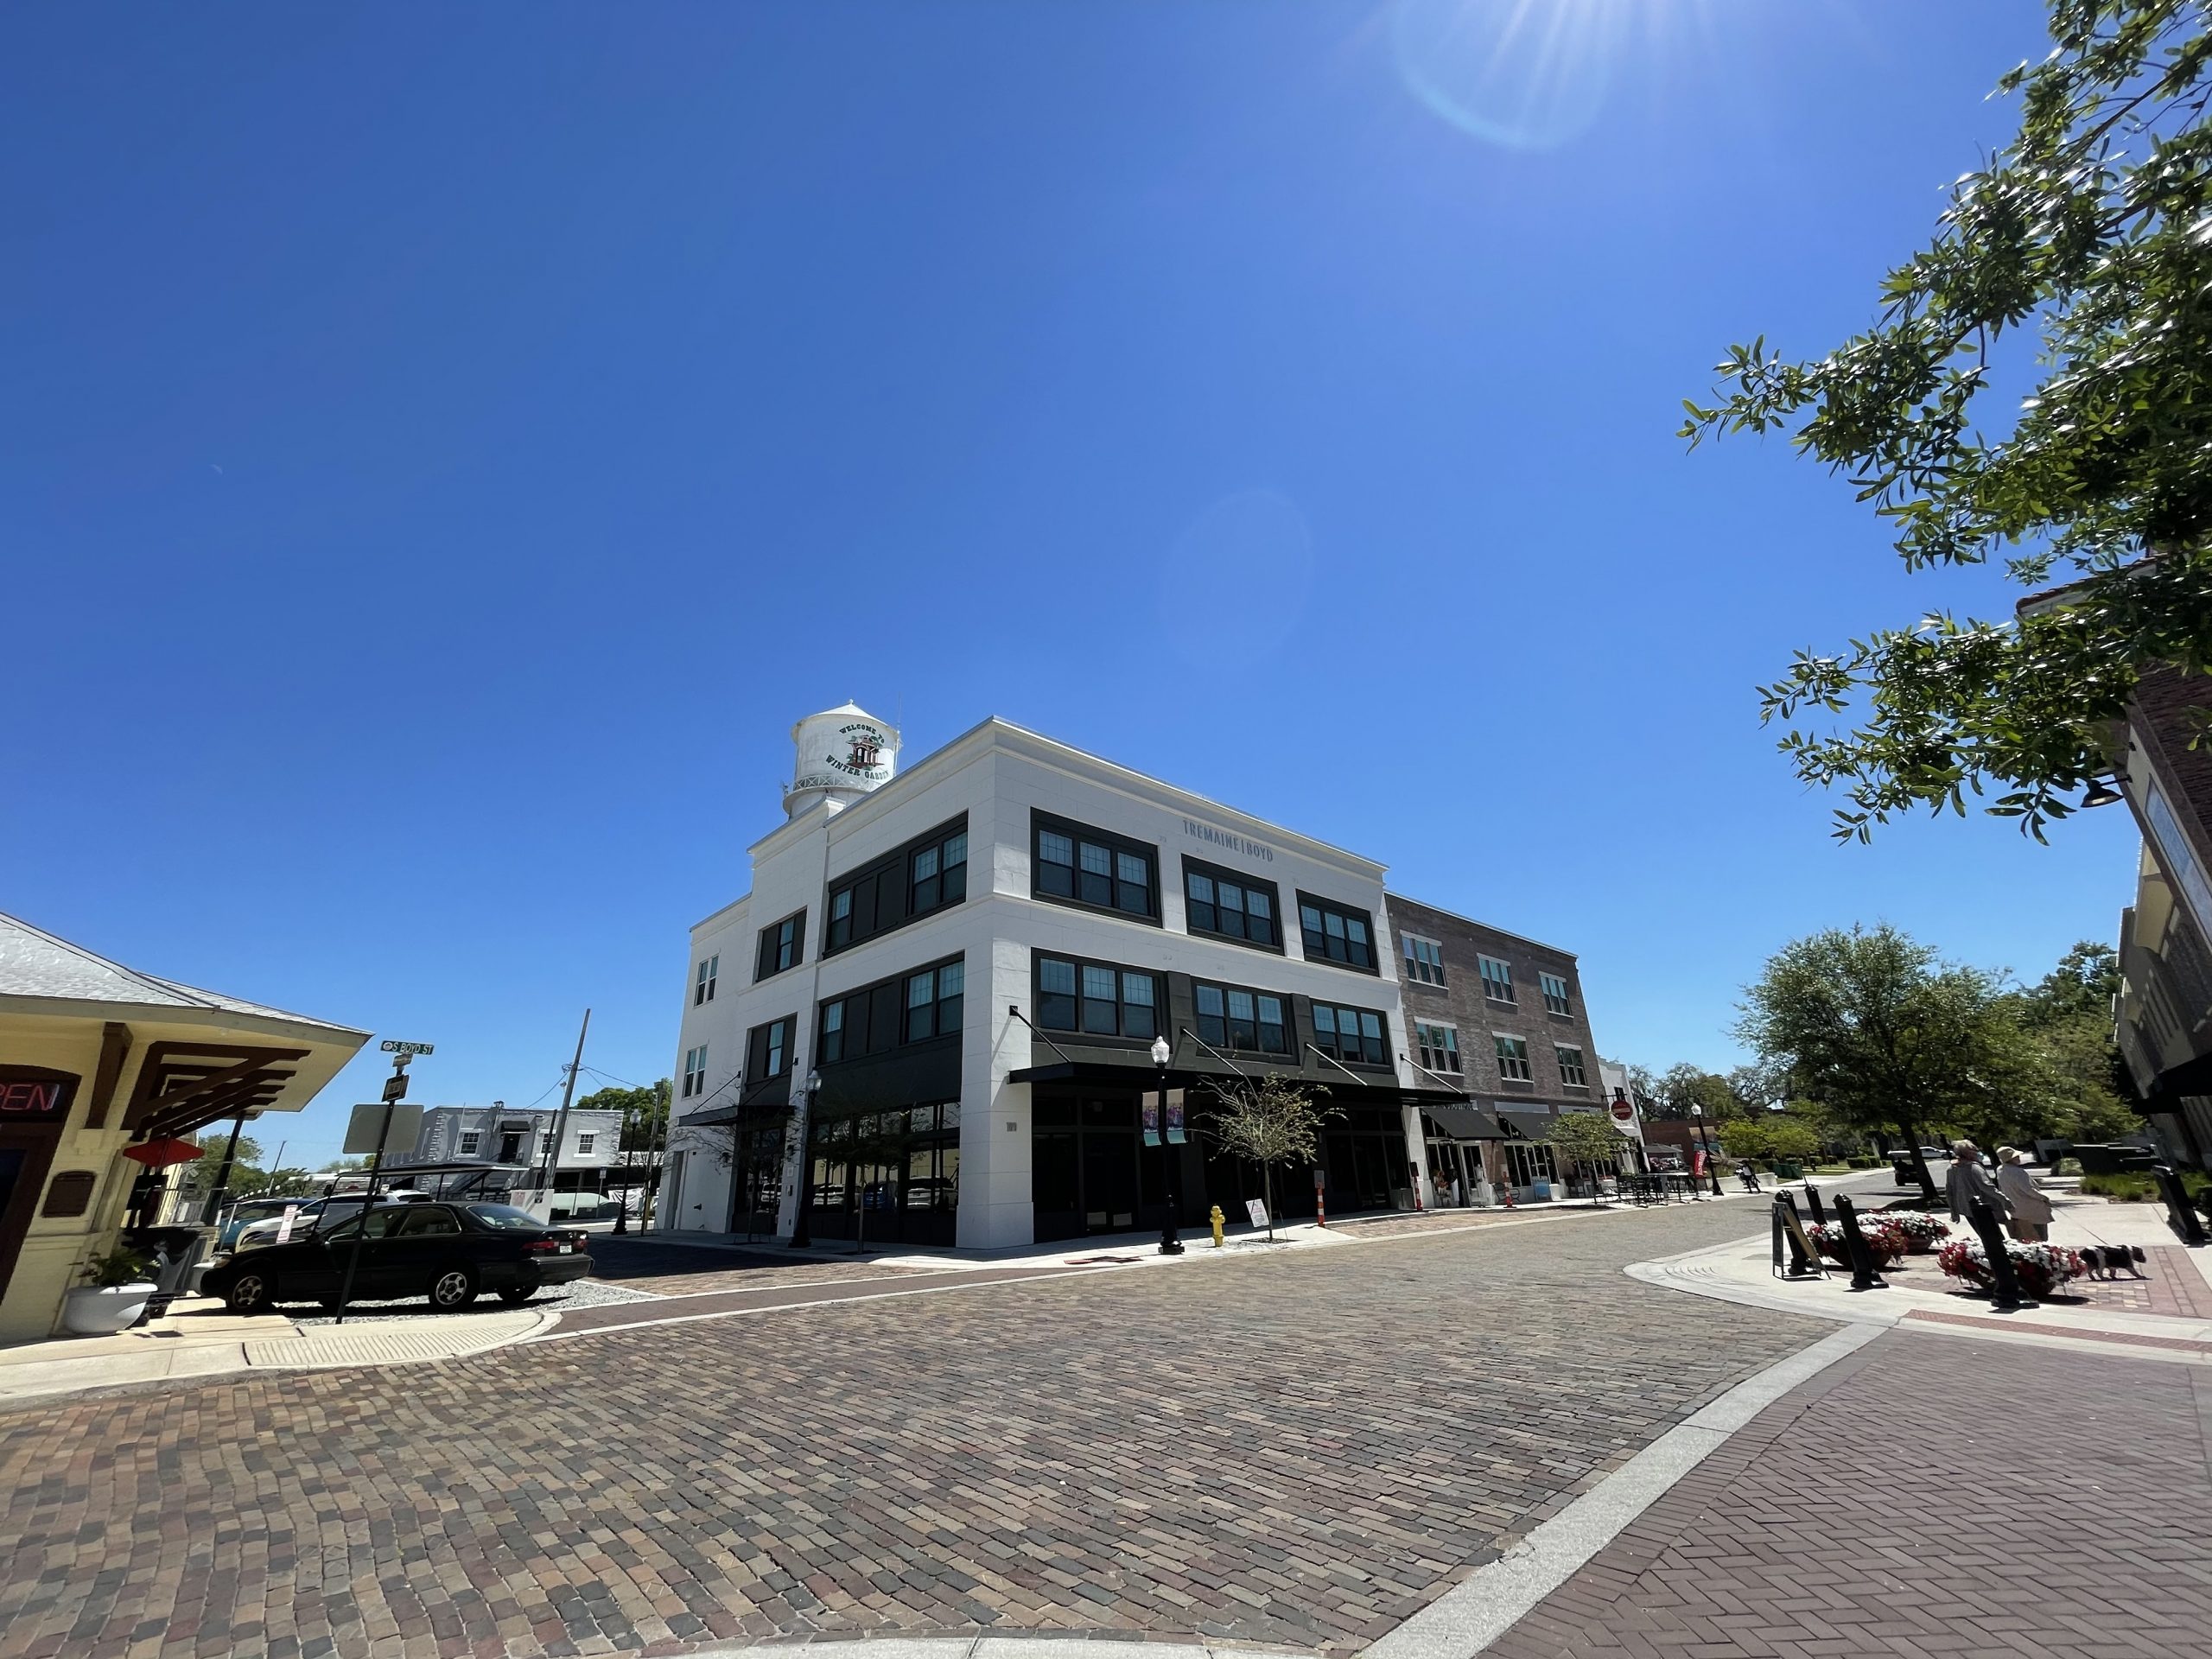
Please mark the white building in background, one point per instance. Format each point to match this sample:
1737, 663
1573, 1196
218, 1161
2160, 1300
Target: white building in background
591, 1143
973, 959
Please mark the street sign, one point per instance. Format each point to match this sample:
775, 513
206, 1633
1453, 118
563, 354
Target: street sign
1623, 1111
395, 1087
365, 1131
391, 1047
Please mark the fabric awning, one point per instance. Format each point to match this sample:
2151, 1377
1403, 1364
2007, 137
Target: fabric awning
1527, 1126
1462, 1121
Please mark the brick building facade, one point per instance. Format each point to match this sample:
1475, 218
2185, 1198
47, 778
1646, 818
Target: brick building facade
1508, 1010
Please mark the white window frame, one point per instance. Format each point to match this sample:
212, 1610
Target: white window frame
1562, 1000
1523, 1060
1416, 970
1559, 1052
1447, 1043
470, 1139
710, 970
586, 1140
694, 1071
1504, 976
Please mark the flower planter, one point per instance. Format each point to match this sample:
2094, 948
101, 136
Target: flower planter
2041, 1268
1922, 1233
102, 1310
1887, 1242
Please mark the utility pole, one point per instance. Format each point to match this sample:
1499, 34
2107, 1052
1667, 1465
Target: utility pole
560, 1118
214, 1204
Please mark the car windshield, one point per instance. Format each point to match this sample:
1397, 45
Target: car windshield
505, 1219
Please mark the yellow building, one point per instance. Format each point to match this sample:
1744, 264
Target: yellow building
95, 1056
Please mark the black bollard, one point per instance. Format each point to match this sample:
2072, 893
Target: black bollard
2005, 1283
1786, 1229
1864, 1276
2181, 1213
1813, 1203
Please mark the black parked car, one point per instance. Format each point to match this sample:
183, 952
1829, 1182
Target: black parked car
445, 1251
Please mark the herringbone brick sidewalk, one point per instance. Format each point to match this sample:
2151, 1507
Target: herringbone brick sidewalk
1928, 1495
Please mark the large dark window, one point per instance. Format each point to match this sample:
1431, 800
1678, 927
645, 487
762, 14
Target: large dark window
938, 873
1333, 933
910, 1008
1080, 865
768, 1050
1354, 1036
925, 874
934, 999
1232, 1017
1230, 907
1097, 998
783, 944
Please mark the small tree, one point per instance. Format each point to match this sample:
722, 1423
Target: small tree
1746, 1139
1882, 1035
1586, 1140
1267, 1120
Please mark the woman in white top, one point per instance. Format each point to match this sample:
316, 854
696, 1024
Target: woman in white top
2030, 1218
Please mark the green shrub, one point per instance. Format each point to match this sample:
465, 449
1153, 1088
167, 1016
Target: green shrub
2132, 1187
117, 1267
1859, 1163
2068, 1166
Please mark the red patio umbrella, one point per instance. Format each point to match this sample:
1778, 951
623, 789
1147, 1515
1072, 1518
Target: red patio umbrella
160, 1154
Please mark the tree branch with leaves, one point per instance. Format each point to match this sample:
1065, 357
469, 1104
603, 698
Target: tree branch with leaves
2079, 256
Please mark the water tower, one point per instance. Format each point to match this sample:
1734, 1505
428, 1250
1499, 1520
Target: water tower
842, 754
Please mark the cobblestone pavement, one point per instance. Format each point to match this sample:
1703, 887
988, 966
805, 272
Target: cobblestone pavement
1927, 1496
1299, 1447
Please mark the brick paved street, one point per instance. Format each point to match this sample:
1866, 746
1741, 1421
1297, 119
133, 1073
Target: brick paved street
1927, 1496
1299, 1447
684, 1269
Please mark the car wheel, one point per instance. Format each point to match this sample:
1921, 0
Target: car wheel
453, 1288
250, 1293
516, 1296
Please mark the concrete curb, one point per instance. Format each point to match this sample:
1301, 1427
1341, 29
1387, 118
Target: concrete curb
1009, 1646
1482, 1607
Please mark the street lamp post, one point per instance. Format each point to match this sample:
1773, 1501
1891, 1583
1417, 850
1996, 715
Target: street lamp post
1171, 1242
1705, 1139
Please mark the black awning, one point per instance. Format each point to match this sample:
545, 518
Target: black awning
1463, 1121
1527, 1126
2191, 1076
750, 1111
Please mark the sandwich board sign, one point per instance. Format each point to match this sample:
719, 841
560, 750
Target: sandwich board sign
1257, 1210
380, 1125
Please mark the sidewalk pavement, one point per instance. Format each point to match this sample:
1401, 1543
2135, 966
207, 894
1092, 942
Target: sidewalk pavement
198, 1338
2165, 1315
1920, 1496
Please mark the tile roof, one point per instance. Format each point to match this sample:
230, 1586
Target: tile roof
33, 963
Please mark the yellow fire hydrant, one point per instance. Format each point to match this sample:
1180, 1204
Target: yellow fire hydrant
1217, 1219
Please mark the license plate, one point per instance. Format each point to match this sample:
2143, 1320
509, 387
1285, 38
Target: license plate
565, 1250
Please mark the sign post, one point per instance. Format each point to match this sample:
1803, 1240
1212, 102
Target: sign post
395, 1090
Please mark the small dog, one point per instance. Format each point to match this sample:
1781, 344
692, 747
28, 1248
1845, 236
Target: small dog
2110, 1260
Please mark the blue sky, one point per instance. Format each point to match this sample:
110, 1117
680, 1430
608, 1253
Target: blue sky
444, 450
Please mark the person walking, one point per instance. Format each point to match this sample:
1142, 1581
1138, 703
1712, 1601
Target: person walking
1969, 1180
2029, 1216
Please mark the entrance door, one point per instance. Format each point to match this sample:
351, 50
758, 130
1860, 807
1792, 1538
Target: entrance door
25, 1154
511, 1148
1109, 1166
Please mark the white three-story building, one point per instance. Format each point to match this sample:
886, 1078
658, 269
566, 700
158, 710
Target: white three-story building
969, 962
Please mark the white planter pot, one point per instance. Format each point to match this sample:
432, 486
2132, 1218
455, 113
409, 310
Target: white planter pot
102, 1310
